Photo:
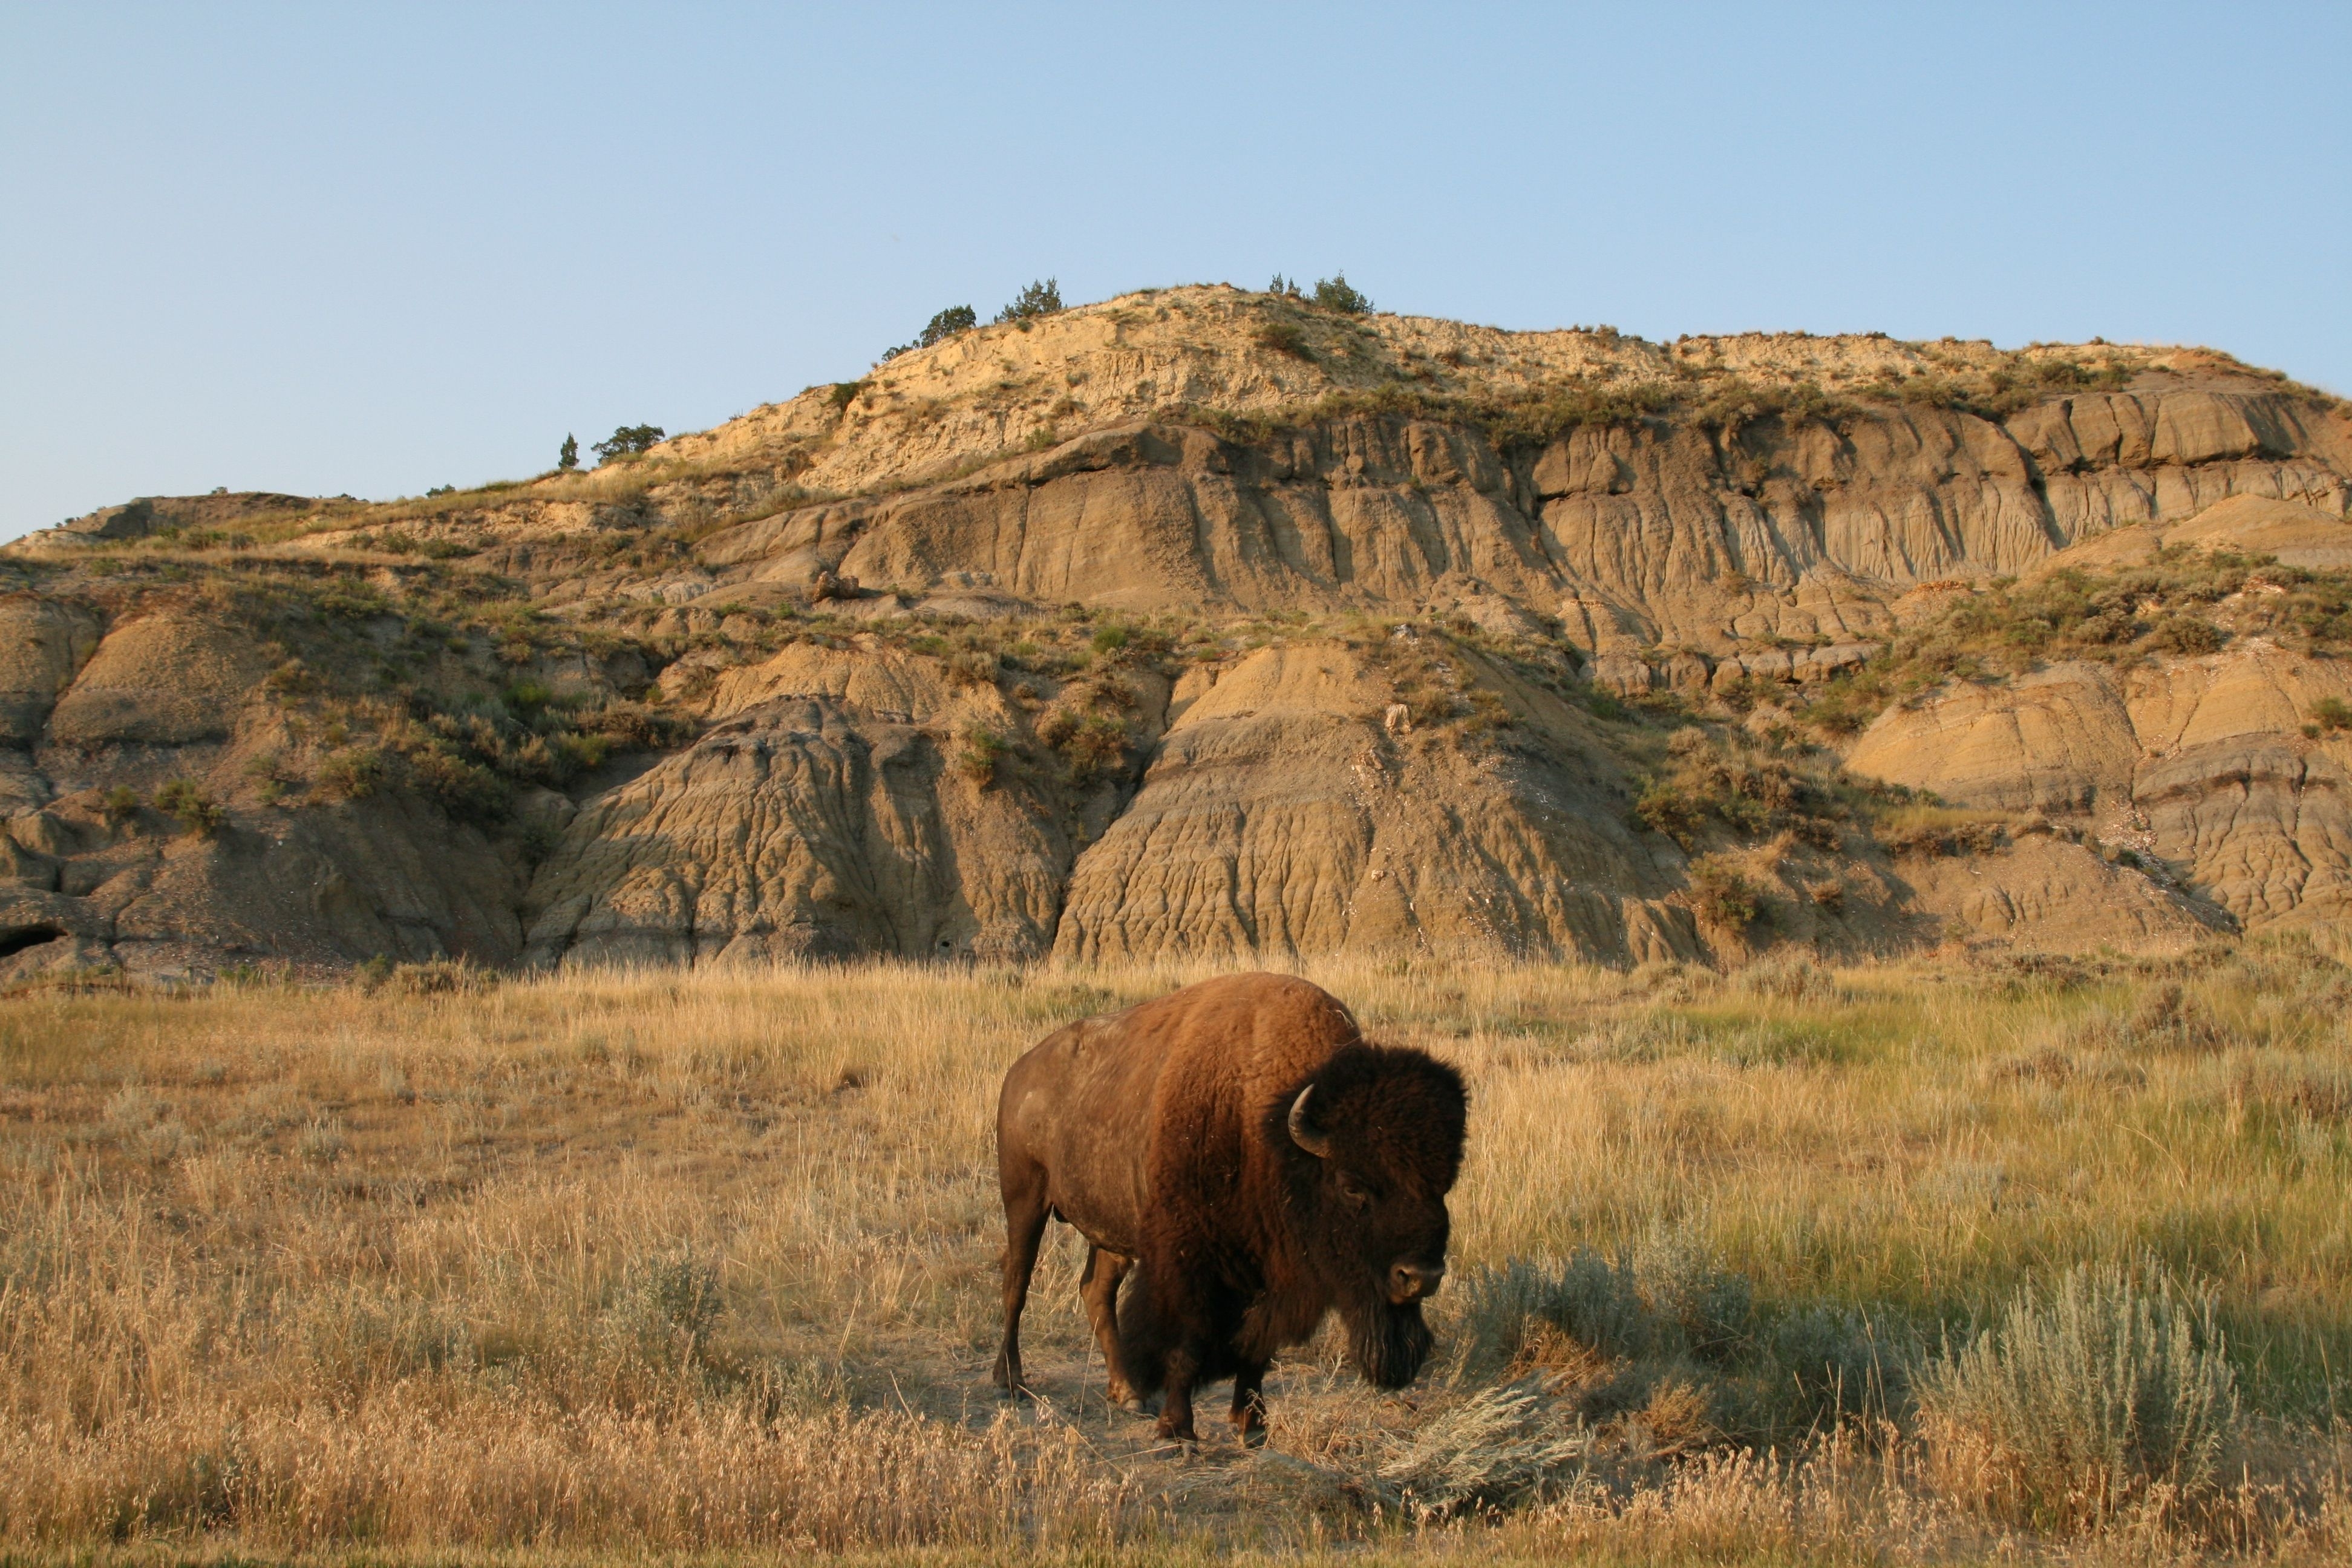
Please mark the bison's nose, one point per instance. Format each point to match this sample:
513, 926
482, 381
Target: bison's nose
1410, 1282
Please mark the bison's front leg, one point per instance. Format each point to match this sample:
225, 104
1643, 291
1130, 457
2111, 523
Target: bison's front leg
1249, 1404
1176, 1408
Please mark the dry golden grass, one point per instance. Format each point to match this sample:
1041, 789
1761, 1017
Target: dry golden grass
663, 1262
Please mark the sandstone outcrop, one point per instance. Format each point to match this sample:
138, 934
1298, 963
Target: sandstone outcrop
1280, 815
837, 807
2201, 764
43, 644
162, 679
2048, 894
2209, 764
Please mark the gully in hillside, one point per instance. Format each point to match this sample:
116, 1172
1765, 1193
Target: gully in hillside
1242, 1151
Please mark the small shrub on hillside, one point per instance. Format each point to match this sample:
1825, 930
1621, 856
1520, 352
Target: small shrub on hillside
1841, 709
844, 394
635, 727
2185, 635
526, 698
1747, 785
353, 773
196, 811
120, 802
2083, 1400
971, 667
2332, 714
463, 789
1089, 744
1722, 895
291, 679
1284, 338
1930, 831
982, 749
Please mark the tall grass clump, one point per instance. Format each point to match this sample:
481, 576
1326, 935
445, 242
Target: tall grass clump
2084, 1402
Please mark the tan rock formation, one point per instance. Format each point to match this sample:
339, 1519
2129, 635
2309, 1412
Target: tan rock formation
166, 679
2050, 895
1721, 518
2202, 762
43, 644
804, 826
1281, 817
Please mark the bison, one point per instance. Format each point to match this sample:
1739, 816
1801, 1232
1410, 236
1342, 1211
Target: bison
1255, 1164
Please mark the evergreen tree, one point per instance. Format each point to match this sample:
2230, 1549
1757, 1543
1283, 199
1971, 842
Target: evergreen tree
1042, 298
628, 441
1338, 294
568, 457
946, 324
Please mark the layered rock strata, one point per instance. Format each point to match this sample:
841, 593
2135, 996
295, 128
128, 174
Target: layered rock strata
1717, 518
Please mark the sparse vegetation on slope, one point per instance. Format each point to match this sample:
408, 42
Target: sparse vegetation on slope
2184, 602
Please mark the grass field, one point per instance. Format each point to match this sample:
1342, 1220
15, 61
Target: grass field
1933, 1263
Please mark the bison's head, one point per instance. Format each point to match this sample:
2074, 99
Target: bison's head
1378, 1138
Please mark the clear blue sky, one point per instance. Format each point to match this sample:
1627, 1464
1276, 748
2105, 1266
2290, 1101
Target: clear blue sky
370, 248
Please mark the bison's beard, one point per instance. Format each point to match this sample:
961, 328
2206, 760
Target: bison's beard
1387, 1343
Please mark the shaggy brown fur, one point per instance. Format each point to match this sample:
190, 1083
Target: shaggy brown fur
1166, 1134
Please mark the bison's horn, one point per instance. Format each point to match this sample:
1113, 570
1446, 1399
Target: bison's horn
1315, 1143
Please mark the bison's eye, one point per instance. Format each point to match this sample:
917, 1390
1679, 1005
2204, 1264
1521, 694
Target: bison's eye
1353, 1191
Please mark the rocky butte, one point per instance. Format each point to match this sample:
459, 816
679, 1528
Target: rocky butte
1202, 623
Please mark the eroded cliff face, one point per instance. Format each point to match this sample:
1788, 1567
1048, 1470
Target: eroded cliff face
1253, 645
2200, 761
1634, 535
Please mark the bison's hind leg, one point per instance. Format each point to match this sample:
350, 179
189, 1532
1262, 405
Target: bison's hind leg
1100, 1287
1025, 1213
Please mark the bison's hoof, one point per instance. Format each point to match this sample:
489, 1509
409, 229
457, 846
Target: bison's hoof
1253, 1436
1136, 1405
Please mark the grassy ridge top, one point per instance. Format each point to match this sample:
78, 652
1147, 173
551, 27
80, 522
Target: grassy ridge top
1248, 362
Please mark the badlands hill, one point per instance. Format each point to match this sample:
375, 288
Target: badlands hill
1202, 622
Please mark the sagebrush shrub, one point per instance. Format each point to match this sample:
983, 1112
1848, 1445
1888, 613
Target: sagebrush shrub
354, 772
197, 811
2082, 1399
